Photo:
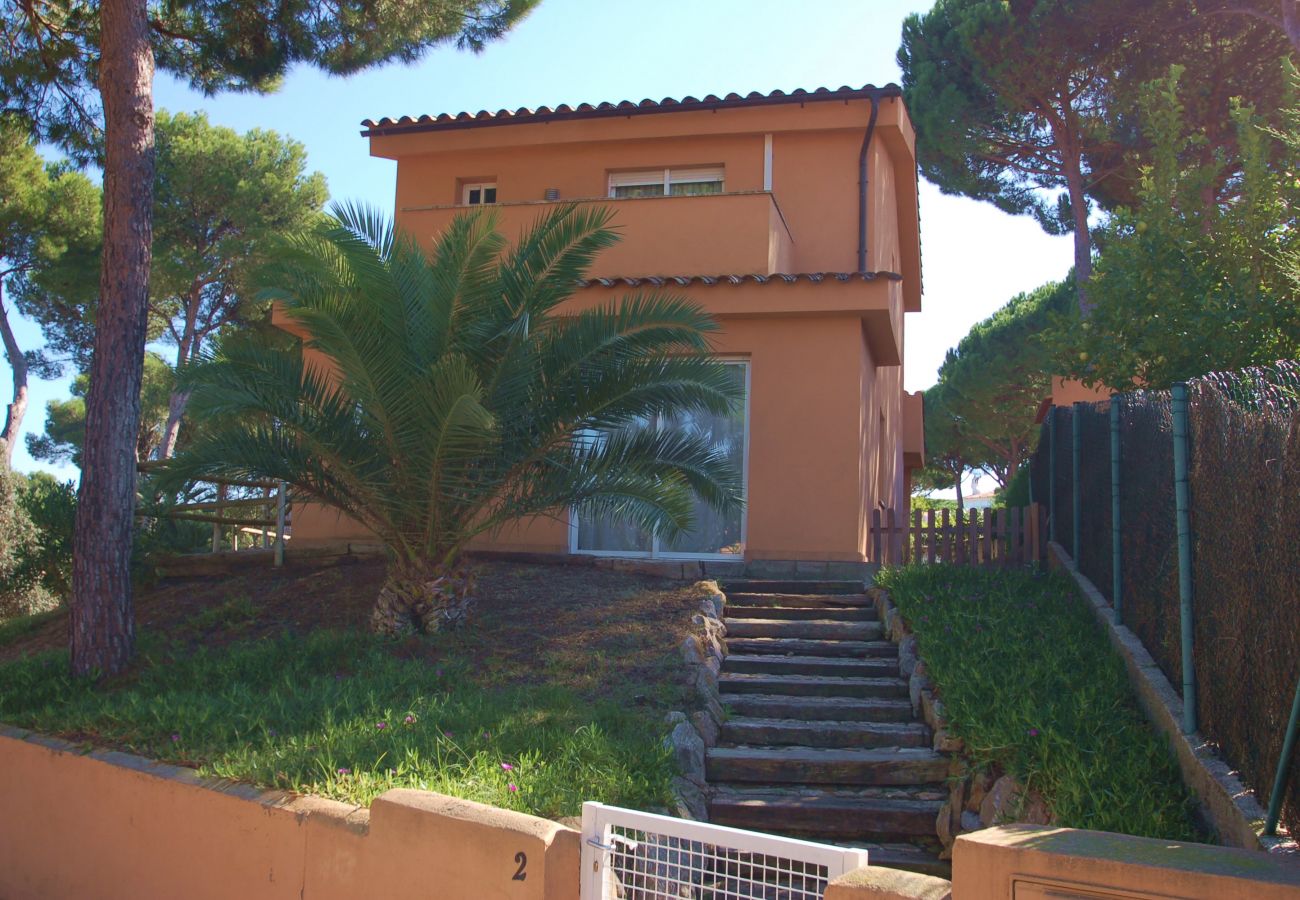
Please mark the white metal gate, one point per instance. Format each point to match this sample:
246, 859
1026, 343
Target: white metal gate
630, 855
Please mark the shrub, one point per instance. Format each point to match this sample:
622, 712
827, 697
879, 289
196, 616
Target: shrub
51, 505
21, 588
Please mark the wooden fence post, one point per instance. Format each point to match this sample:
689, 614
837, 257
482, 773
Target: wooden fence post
279, 524
876, 553
216, 526
931, 537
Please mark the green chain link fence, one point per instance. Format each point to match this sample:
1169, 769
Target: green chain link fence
1244, 478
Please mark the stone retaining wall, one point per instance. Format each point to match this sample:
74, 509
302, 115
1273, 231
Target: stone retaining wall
693, 735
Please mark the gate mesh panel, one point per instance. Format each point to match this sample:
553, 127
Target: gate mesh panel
652, 866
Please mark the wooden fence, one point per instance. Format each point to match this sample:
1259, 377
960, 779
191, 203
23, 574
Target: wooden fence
979, 537
259, 512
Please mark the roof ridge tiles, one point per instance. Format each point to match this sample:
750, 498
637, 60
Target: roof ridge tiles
523, 114
754, 278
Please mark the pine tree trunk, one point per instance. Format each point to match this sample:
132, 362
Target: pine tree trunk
175, 411
101, 623
1082, 237
18, 406
423, 597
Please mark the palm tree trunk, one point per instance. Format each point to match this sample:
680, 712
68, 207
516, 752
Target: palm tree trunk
423, 596
102, 624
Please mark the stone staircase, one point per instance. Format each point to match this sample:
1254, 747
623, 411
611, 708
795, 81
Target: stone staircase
821, 740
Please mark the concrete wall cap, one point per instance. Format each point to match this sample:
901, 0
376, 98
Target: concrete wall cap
879, 883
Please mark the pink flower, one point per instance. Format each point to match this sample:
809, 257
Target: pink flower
513, 788
486, 735
381, 725
345, 771
507, 767
176, 738
1033, 732
446, 734
409, 720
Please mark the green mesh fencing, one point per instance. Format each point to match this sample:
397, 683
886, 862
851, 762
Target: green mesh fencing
1063, 487
1149, 533
1245, 494
1094, 507
1245, 488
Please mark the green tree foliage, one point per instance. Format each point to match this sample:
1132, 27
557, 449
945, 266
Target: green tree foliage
219, 197
48, 217
48, 70
980, 413
21, 592
61, 61
995, 379
65, 420
51, 505
464, 402
1029, 104
948, 450
1198, 275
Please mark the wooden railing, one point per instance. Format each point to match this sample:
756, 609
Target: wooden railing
255, 517
979, 537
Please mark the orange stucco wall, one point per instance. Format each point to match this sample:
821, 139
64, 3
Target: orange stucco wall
825, 402
113, 826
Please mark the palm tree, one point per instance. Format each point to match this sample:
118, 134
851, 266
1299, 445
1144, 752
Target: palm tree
440, 396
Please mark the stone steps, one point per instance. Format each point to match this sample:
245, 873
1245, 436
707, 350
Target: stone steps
841, 601
826, 815
797, 613
810, 685
813, 629
755, 731
821, 740
842, 709
810, 665
799, 588
803, 765
812, 647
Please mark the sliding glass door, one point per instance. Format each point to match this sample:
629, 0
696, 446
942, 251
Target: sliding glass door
715, 534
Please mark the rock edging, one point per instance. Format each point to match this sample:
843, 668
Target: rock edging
693, 735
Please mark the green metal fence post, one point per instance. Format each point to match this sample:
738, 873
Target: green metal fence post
1116, 543
1283, 766
1051, 474
1076, 453
1183, 512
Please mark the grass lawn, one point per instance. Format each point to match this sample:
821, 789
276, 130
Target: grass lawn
555, 694
1032, 687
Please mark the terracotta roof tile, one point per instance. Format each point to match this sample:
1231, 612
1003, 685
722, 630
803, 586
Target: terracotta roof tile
523, 114
787, 278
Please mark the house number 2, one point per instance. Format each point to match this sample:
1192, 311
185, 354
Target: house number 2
520, 874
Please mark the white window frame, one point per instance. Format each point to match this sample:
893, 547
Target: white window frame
655, 552
668, 177
482, 187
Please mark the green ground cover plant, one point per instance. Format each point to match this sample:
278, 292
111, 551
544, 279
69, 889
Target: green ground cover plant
1031, 686
272, 678
337, 714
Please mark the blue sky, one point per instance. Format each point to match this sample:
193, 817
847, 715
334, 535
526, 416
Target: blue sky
570, 51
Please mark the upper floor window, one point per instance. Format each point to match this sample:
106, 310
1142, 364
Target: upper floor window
666, 182
479, 193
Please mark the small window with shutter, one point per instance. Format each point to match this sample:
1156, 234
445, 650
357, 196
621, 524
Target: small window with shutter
479, 193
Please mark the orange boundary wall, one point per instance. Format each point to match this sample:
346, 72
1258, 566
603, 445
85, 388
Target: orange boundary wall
112, 825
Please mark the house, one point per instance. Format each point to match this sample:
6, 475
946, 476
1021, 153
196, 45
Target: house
792, 218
